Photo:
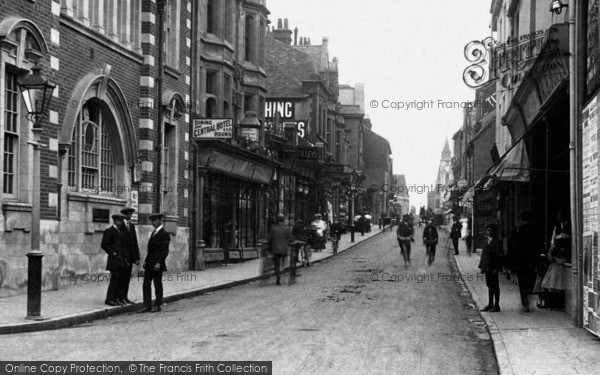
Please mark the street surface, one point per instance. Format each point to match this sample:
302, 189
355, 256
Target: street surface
358, 313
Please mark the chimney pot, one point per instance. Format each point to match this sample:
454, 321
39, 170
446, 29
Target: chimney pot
295, 36
325, 40
308, 41
285, 24
279, 23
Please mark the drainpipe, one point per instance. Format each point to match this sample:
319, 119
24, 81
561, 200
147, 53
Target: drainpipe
159, 121
574, 151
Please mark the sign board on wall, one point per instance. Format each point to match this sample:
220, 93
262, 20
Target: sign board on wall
591, 267
284, 109
212, 128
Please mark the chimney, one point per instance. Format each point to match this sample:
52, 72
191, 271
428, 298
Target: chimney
325, 41
308, 41
283, 33
295, 36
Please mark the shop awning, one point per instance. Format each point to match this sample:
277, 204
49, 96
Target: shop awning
513, 166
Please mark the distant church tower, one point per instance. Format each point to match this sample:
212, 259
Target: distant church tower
444, 176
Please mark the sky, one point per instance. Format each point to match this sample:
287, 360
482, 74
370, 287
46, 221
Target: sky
405, 52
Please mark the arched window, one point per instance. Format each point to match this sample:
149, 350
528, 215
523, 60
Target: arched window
91, 155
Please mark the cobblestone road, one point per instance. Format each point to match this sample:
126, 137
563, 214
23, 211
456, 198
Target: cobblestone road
358, 313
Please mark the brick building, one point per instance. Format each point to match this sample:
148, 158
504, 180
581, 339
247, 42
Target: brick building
103, 133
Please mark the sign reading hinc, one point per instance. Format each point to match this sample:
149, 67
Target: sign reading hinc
212, 128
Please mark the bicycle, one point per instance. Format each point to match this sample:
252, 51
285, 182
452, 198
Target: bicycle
305, 255
335, 244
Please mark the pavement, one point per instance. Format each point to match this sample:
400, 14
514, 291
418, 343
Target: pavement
81, 303
539, 342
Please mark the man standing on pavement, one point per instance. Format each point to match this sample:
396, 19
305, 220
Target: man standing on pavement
430, 240
455, 233
131, 248
490, 264
279, 238
523, 257
114, 245
154, 265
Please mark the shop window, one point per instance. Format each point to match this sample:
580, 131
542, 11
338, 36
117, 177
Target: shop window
91, 164
11, 134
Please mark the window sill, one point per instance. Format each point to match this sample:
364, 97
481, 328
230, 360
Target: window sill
172, 72
101, 199
16, 207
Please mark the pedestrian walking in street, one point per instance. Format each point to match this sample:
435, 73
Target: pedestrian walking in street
469, 238
299, 234
430, 240
405, 235
132, 250
490, 264
154, 264
279, 238
455, 233
113, 243
522, 257
320, 227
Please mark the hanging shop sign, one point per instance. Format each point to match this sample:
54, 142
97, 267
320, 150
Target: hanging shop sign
212, 128
333, 168
509, 62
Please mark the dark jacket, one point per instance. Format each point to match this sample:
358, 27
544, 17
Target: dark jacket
298, 232
404, 230
114, 245
131, 243
526, 247
279, 239
455, 230
491, 256
430, 235
158, 249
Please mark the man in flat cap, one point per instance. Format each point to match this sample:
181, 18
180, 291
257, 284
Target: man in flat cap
131, 248
114, 245
154, 265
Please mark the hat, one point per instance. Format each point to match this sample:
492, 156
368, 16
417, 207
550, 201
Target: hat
118, 217
156, 216
125, 210
317, 215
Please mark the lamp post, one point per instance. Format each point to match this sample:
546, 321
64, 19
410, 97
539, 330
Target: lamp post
37, 93
352, 192
250, 127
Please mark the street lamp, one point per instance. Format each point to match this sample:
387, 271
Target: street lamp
37, 94
250, 126
556, 6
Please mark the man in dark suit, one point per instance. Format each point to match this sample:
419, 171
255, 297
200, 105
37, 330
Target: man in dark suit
279, 238
114, 245
490, 265
455, 233
132, 250
154, 265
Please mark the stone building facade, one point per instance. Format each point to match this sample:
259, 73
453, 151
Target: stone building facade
101, 133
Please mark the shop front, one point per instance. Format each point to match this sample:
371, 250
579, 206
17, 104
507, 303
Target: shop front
233, 194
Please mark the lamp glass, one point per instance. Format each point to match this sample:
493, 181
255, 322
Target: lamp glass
36, 91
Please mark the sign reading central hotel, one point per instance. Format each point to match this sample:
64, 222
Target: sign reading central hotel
212, 128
